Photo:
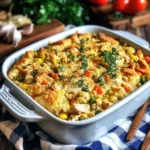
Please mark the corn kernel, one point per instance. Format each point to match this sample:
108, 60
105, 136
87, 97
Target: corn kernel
54, 60
63, 116
110, 92
59, 91
133, 57
24, 86
40, 61
130, 50
42, 55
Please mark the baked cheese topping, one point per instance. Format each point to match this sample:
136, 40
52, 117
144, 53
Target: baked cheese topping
82, 75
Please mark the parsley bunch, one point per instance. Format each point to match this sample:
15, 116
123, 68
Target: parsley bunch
40, 11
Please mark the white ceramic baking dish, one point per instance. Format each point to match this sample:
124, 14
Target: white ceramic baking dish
79, 132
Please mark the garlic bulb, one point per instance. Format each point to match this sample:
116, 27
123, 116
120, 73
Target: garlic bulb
13, 36
28, 29
4, 29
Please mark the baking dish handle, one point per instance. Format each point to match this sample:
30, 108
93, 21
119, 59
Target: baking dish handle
16, 108
133, 37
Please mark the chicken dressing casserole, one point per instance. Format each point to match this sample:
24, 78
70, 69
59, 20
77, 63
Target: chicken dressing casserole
82, 75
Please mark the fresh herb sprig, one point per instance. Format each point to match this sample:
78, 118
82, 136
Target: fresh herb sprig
110, 58
40, 11
100, 80
84, 64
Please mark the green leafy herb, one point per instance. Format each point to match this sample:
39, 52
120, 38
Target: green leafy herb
62, 68
100, 80
92, 100
85, 88
82, 49
84, 62
61, 77
142, 80
80, 83
71, 57
40, 11
19, 78
110, 58
82, 41
34, 72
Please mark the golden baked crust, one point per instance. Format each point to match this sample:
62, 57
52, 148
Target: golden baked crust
81, 75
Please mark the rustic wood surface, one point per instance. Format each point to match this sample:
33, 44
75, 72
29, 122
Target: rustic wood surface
40, 31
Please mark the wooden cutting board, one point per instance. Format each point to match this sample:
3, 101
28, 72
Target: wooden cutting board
40, 32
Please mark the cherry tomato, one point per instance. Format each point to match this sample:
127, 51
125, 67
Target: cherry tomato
99, 2
130, 6
98, 89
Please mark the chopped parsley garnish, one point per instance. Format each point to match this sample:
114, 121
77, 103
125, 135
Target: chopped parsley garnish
111, 70
100, 80
19, 78
62, 68
82, 40
110, 58
71, 57
142, 80
92, 100
82, 49
84, 62
85, 88
34, 72
61, 77
80, 83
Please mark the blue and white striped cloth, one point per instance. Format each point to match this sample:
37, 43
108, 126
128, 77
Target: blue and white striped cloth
28, 136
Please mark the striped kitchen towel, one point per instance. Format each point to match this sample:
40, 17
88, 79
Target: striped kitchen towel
28, 136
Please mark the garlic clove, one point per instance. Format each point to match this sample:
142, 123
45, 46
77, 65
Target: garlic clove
4, 29
17, 36
27, 29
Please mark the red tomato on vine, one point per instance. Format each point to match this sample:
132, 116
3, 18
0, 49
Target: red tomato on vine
129, 6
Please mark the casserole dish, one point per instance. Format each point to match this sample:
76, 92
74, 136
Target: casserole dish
79, 132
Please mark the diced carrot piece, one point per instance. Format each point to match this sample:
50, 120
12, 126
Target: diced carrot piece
140, 70
54, 75
98, 89
44, 82
94, 47
127, 89
71, 46
87, 73
147, 59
